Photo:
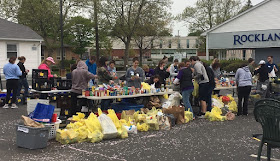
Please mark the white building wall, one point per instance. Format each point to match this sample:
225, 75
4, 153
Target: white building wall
33, 57
264, 17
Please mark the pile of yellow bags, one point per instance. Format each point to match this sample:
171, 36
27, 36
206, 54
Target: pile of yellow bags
215, 114
88, 129
82, 130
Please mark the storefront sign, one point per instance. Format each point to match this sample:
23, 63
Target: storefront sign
244, 39
241, 39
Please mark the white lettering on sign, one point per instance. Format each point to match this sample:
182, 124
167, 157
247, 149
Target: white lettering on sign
23, 129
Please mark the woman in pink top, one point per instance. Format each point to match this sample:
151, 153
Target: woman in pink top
46, 66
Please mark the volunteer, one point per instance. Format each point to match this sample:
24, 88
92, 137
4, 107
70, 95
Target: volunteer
200, 75
161, 71
135, 74
12, 73
92, 67
46, 64
186, 85
174, 69
243, 79
22, 81
80, 79
148, 71
272, 67
263, 80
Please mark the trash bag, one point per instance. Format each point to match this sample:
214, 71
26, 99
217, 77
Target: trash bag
142, 127
131, 129
153, 123
215, 115
43, 113
232, 106
78, 117
126, 114
230, 116
216, 102
95, 136
178, 112
164, 123
114, 118
66, 136
109, 129
171, 118
195, 92
188, 116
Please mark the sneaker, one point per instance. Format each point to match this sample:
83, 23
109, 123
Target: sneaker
201, 117
14, 105
6, 106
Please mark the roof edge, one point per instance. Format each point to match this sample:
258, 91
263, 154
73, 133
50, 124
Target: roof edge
17, 39
235, 17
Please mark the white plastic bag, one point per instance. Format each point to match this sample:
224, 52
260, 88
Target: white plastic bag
131, 129
109, 129
174, 99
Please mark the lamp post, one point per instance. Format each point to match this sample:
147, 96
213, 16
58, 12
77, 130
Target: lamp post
62, 71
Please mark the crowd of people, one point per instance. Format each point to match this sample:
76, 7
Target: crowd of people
87, 74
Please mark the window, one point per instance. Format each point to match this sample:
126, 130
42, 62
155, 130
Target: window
58, 56
244, 54
169, 44
42, 54
179, 44
11, 50
188, 43
160, 44
152, 44
196, 43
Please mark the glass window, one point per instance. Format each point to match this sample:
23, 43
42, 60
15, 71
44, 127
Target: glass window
152, 44
43, 54
11, 50
160, 44
188, 43
170, 44
196, 43
179, 44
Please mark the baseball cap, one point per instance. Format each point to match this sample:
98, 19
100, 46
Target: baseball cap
262, 62
50, 59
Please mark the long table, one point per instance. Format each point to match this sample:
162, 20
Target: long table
49, 92
227, 88
125, 96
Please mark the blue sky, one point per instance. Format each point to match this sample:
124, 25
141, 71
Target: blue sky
178, 7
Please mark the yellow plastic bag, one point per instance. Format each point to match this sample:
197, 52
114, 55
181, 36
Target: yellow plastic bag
153, 123
114, 118
145, 86
232, 106
215, 114
78, 117
95, 136
195, 92
122, 132
188, 116
142, 127
123, 122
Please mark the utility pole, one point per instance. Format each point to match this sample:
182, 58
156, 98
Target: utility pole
96, 29
62, 69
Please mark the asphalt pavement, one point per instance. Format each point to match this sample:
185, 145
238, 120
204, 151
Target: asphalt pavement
198, 140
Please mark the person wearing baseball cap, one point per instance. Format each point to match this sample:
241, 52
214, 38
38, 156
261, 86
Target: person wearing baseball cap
45, 65
263, 71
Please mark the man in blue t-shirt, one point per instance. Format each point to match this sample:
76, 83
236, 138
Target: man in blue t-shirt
92, 67
272, 68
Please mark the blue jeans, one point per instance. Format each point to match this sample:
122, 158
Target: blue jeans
186, 99
22, 82
209, 100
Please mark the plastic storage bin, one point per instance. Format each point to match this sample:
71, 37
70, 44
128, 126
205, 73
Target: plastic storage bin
41, 84
31, 104
39, 74
119, 107
53, 127
31, 137
64, 84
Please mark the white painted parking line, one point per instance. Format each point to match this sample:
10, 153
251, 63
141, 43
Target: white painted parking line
263, 157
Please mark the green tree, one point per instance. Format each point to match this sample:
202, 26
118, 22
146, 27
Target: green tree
79, 33
151, 25
123, 16
247, 6
209, 13
42, 16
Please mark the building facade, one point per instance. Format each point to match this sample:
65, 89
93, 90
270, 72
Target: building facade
256, 30
155, 48
19, 40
